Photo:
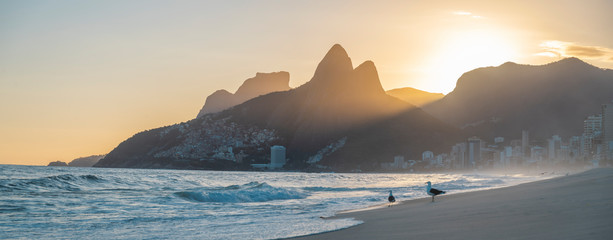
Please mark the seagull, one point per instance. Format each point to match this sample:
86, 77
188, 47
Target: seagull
433, 191
391, 199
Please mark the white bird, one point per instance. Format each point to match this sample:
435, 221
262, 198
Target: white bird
391, 199
433, 191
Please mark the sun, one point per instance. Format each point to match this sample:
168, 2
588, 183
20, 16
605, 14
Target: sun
462, 51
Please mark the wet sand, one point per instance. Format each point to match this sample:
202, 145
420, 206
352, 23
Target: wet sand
578, 206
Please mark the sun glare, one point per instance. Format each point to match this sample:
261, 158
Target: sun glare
461, 52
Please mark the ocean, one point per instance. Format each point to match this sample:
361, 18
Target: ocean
100, 203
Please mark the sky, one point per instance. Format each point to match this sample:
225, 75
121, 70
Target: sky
79, 77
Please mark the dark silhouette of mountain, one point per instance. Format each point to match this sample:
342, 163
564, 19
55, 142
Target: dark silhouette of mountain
57, 164
79, 162
337, 98
549, 99
218, 101
261, 84
339, 102
85, 161
414, 96
342, 118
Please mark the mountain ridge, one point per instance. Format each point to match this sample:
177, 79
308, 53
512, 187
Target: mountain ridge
88, 161
415, 96
261, 84
547, 99
340, 105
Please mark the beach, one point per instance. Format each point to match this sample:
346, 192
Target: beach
578, 206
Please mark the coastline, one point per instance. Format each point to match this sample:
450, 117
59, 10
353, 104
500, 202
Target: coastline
578, 206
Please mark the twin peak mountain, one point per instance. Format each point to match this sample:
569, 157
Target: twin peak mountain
338, 101
334, 75
342, 119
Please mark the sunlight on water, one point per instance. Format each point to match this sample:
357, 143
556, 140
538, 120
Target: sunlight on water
85, 203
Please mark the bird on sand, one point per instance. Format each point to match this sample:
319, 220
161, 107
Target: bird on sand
391, 199
433, 191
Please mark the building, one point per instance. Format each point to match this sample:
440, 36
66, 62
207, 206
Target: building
473, 151
441, 159
427, 156
574, 146
277, 157
554, 145
458, 156
607, 131
592, 128
399, 162
525, 144
537, 154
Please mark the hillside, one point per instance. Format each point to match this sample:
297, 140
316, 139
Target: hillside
549, 99
261, 84
85, 161
79, 162
414, 96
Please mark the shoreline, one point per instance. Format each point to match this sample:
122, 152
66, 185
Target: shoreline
576, 206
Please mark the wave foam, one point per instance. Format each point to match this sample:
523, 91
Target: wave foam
250, 192
464, 184
339, 189
67, 182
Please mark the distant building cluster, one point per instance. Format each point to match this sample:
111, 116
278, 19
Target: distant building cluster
594, 147
217, 140
277, 159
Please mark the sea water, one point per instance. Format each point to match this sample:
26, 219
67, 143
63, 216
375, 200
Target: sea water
102, 203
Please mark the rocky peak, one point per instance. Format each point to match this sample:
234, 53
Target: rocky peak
218, 101
366, 79
335, 76
335, 66
261, 84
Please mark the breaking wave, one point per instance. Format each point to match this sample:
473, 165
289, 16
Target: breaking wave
465, 184
339, 189
67, 182
250, 192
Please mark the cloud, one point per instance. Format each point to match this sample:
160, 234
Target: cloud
467, 14
588, 51
569, 49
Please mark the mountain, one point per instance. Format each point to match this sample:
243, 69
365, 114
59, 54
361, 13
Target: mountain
57, 164
342, 119
337, 98
414, 96
261, 84
218, 101
341, 102
85, 161
549, 99
79, 162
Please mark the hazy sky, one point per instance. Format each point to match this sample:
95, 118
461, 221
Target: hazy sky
79, 77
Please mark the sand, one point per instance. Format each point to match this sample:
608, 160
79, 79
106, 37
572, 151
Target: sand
578, 206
